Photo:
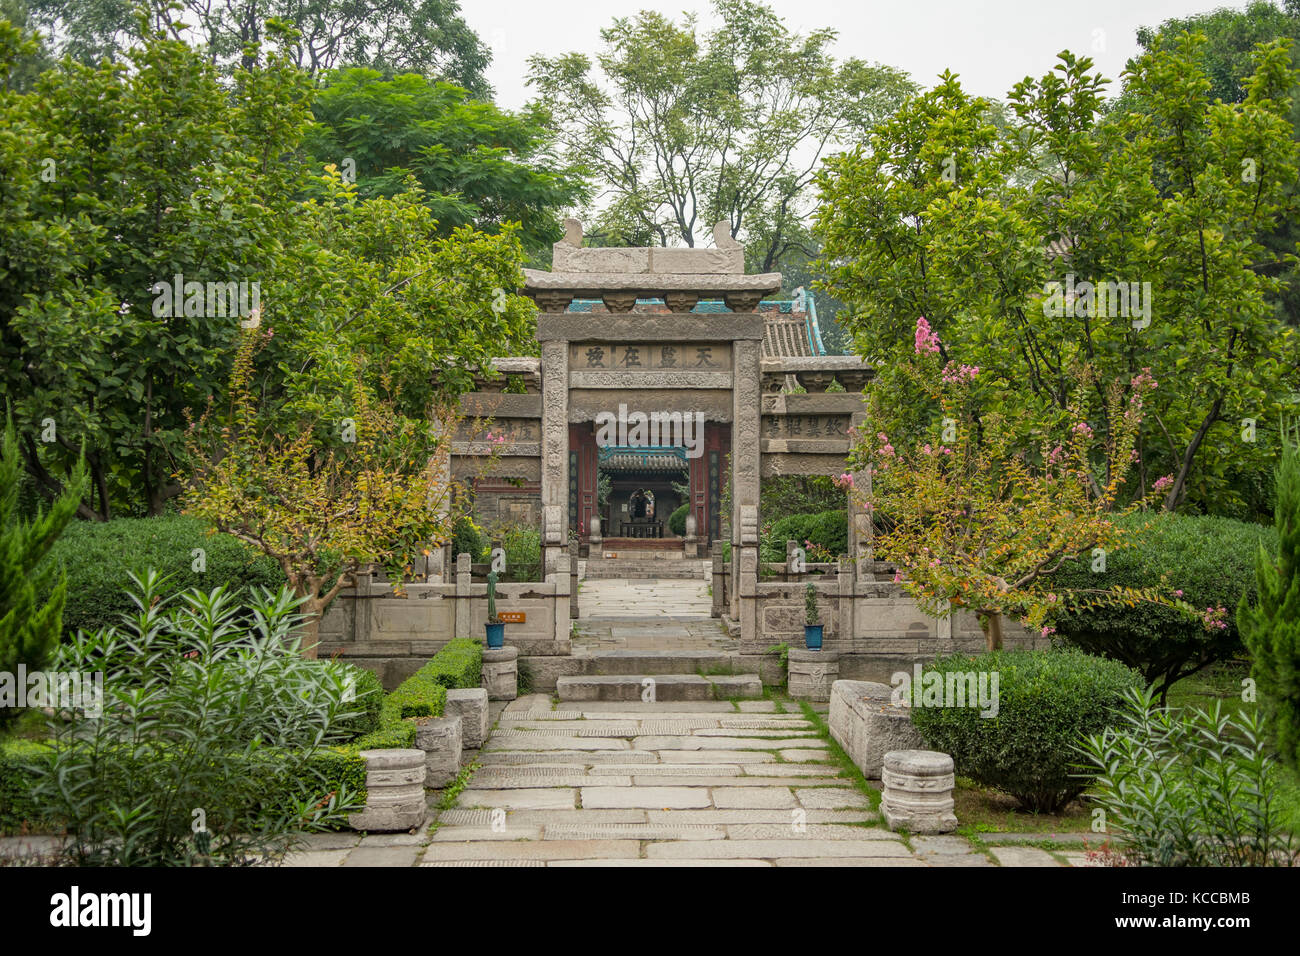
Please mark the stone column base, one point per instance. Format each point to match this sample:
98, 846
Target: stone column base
471, 706
811, 673
394, 791
501, 672
440, 740
918, 791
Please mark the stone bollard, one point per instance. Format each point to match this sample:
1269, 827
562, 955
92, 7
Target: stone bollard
471, 706
594, 539
918, 791
439, 738
690, 541
501, 672
811, 673
394, 791
866, 722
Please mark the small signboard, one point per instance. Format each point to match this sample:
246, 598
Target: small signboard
512, 617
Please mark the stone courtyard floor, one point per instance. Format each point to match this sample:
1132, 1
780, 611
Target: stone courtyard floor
671, 784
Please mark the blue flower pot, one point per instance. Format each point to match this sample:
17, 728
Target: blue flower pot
812, 636
496, 635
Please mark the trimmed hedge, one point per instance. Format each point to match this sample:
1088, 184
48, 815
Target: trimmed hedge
98, 556
369, 699
1047, 701
20, 813
677, 520
424, 694
830, 529
1211, 560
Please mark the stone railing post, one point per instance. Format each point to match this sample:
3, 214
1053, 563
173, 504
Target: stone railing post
691, 542
719, 582
464, 609
594, 540
573, 583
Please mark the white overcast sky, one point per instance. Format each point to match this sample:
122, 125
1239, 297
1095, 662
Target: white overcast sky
991, 44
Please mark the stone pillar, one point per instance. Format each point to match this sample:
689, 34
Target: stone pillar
862, 530
573, 583
812, 673
555, 431
470, 704
691, 542
918, 791
501, 672
440, 740
394, 791
719, 581
595, 541
464, 606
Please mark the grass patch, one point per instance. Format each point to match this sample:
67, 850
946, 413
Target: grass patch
841, 759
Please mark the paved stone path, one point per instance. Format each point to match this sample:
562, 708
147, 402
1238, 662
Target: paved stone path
674, 784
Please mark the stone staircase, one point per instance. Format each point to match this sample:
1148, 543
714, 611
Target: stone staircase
645, 565
655, 688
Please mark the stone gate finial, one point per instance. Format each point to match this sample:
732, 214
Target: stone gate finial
722, 237
573, 232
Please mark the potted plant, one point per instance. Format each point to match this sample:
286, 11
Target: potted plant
496, 628
812, 630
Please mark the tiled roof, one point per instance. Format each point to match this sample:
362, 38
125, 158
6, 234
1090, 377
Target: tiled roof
788, 333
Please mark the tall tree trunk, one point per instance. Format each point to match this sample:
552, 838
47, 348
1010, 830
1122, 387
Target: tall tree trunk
991, 623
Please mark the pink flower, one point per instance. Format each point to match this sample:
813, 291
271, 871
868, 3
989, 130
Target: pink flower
1083, 429
926, 339
954, 374
1178, 593
1055, 455
898, 577
887, 451
1163, 484
927, 450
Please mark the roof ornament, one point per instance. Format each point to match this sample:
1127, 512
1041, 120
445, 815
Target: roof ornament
573, 232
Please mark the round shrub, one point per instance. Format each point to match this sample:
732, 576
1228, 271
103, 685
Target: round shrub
677, 520
830, 529
368, 698
1045, 703
100, 556
467, 538
1211, 560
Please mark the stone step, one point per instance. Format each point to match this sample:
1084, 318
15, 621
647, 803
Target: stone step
612, 663
665, 687
673, 570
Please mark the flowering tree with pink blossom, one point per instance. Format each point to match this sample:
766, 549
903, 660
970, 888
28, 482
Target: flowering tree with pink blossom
978, 515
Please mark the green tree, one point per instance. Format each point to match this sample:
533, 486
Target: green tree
117, 179
689, 129
478, 164
29, 627
421, 36
983, 226
1271, 628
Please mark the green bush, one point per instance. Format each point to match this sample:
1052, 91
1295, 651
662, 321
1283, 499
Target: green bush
20, 811
830, 529
1211, 560
234, 713
677, 520
424, 694
1188, 787
368, 699
523, 547
1046, 701
100, 557
467, 538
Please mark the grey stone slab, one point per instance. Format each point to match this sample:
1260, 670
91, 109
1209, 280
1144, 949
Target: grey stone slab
593, 758
645, 797
660, 863
329, 841
540, 799
775, 817
525, 741
394, 839
807, 831
785, 733
315, 858
831, 798
811, 771
850, 861
511, 778
1023, 856
653, 779
713, 756
775, 722
752, 798
382, 856
484, 863
674, 770
695, 742
776, 849
756, 706
455, 834
620, 710
535, 850
805, 754
633, 831
941, 845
